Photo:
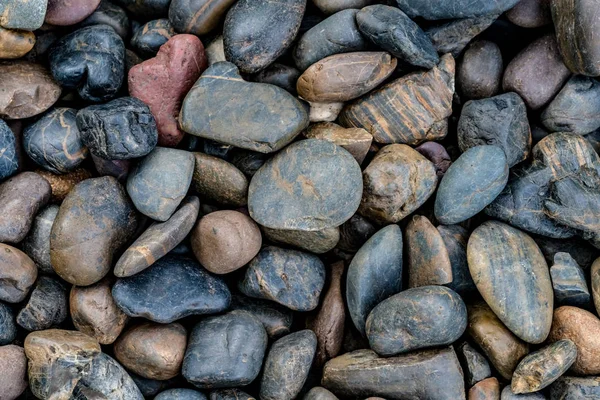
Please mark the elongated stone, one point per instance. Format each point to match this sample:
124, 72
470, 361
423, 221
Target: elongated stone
475, 367
453, 36
568, 280
17, 274
425, 96
148, 38
219, 180
9, 163
595, 282
47, 306
454, 8
15, 44
434, 374
317, 242
455, 239
574, 388
64, 13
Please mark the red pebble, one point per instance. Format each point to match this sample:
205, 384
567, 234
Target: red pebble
163, 81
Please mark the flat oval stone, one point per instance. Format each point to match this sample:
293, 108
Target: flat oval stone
97, 75
374, 274
568, 281
229, 394
23, 14
507, 394
434, 374
171, 289
417, 318
13, 366
475, 366
26, 89
540, 368
54, 142
396, 182
149, 37
313, 185
8, 327
225, 351
530, 14
95, 313
15, 44
454, 8
317, 242
151, 350
391, 30
512, 276
501, 121
68, 12
62, 184
480, 173
573, 388
109, 14
276, 319
159, 239
47, 306
287, 365
291, 278
327, 79
197, 17
21, 197
180, 394
118, 130
479, 73
9, 163
219, 180
356, 140
276, 116
256, 32
454, 35
17, 274
94, 220
426, 94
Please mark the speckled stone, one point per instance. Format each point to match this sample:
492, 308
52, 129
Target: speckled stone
453, 36
23, 14
13, 370
530, 14
197, 17
9, 162
479, 73
568, 281
454, 8
287, 365
475, 367
180, 394
574, 388
356, 140
214, 50
219, 180
276, 319
149, 37
291, 278
69, 12
15, 43
97, 75
47, 306
109, 14
8, 327
62, 184
317, 242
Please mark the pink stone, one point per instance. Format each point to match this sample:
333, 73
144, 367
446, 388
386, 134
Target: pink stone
437, 154
163, 81
69, 12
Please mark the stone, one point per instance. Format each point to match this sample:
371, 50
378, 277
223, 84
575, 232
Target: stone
426, 94
595, 283
537, 73
374, 274
54, 142
317, 242
540, 368
97, 75
576, 27
329, 7
568, 281
475, 367
396, 183
501, 121
229, 394
319, 393
434, 374
21, 197
47, 306
393, 31
327, 80
14, 43
287, 365
257, 32
280, 75
9, 163
174, 287
148, 38
581, 251
116, 168
453, 36
146, 9
67, 12
313, 185
118, 130
26, 90
416, 318
582, 328
219, 180
437, 154
95, 219
58, 360
507, 394
354, 233
23, 14
61, 185
276, 118
151, 350
225, 351
149, 387
248, 161
95, 313
214, 50
576, 108
180, 394
502, 348
455, 240
8, 327
163, 81
37, 243
17, 274
573, 388
198, 17
454, 8
487, 389
224, 241
13, 370
530, 13
276, 319
471, 80
334, 35
356, 141
109, 14
428, 259
324, 112
291, 278
159, 239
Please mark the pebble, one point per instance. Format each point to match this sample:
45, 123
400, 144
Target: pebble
69, 12
219, 180
427, 96
163, 81
95, 219
507, 394
180, 394
568, 281
27, 89
454, 8
13, 370
574, 388
104, 66
148, 38
329, 7
47, 306
280, 75
287, 366
487, 389
455, 240
291, 278
198, 17
276, 319
595, 283
61, 185
14, 43
356, 141
475, 367
354, 233
95, 313
374, 274
454, 35
312, 184
225, 351
146, 9
248, 161
159, 239
23, 14
256, 32
17, 274
479, 73
9, 163
8, 327
324, 112
276, 119
229, 394
109, 14
214, 50
530, 13
318, 242
437, 154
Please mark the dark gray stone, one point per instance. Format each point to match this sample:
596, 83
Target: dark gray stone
568, 280
8, 327
453, 36
148, 38
450, 9
455, 239
354, 233
575, 388
580, 250
9, 162
198, 17
47, 306
475, 367
276, 319
248, 161
149, 387
146, 9
319, 393
479, 73
180, 394
229, 394
109, 14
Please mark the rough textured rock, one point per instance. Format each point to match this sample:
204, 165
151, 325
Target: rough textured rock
219, 180
288, 277
454, 8
507, 394
453, 36
94, 220
434, 374
270, 116
13, 370
573, 388
229, 394
479, 73
17, 274
374, 274
356, 140
568, 281
287, 365
9, 162
197, 17
172, 288
62, 185
118, 130
26, 90
15, 44
396, 182
276, 319
8, 327
487, 389
23, 14
66, 12
475, 367
148, 38
317, 242
530, 13
109, 14
47, 306
97, 75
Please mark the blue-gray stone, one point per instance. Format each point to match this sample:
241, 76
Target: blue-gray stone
568, 281
9, 157
575, 388
507, 394
8, 327
475, 367
148, 38
455, 238
229, 394
180, 394
450, 9
453, 36
276, 319
22, 14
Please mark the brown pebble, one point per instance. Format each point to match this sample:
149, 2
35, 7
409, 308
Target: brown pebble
62, 184
487, 389
220, 181
17, 274
13, 368
356, 140
14, 43
317, 242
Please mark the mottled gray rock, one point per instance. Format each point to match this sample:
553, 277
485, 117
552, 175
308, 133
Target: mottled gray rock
475, 367
453, 36
568, 281
23, 14
37, 242
13, 371
230, 394
319, 393
454, 8
9, 162
507, 394
575, 388
455, 240
47, 306
276, 319
530, 14
8, 327
17, 274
